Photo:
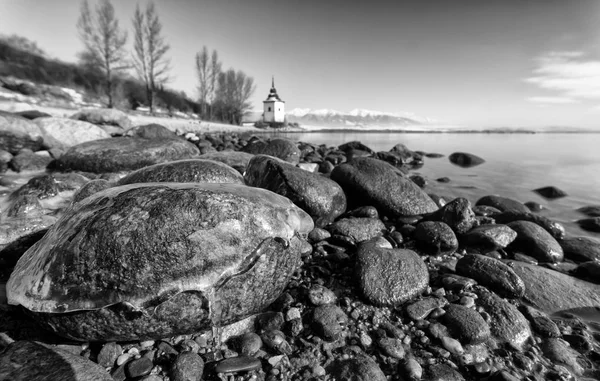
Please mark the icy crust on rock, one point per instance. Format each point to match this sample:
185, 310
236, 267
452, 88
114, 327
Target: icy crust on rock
140, 244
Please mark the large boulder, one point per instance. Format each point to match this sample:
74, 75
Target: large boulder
64, 132
124, 154
390, 277
551, 291
283, 149
368, 181
118, 120
235, 159
17, 133
185, 171
320, 197
147, 261
35, 361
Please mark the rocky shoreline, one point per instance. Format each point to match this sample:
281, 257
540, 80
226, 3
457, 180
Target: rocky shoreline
151, 256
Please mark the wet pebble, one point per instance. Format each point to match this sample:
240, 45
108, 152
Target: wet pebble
109, 354
238, 364
422, 308
188, 366
329, 321
466, 324
320, 295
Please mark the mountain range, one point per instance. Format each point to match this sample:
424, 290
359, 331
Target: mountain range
354, 118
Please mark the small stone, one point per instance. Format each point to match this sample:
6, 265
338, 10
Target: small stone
412, 368
188, 366
293, 313
442, 372
550, 193
436, 238
422, 308
365, 339
318, 235
320, 295
465, 160
238, 364
452, 345
540, 322
329, 321
122, 359
467, 301
147, 344
275, 340
491, 273
249, 343
109, 354
466, 324
270, 321
139, 367
392, 347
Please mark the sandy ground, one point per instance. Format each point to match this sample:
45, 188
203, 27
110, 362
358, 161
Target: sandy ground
176, 124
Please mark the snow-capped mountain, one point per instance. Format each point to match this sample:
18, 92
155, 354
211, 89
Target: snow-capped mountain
354, 118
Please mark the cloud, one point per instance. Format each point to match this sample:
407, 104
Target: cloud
552, 100
570, 75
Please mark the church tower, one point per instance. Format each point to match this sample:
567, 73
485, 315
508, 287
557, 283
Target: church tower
273, 106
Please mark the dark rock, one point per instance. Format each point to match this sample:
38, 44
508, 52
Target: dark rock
439, 201
329, 321
535, 241
589, 271
357, 229
355, 145
419, 180
326, 167
283, 149
390, 277
42, 187
124, 154
238, 364
391, 347
151, 131
433, 155
581, 249
443, 180
17, 133
507, 324
32, 114
551, 291
435, 238
465, 160
92, 187
491, 273
390, 157
270, 321
323, 199
167, 235
442, 372
368, 181
109, 354
5, 158
457, 214
185, 171
188, 366
466, 324
550, 192
419, 310
488, 238
364, 211
540, 322
235, 159
590, 224
590, 211
554, 228
503, 204
138, 367
34, 361
534, 206
360, 368
318, 235
26, 160
10, 254
25, 205
402, 151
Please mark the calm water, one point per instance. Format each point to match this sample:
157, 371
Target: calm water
515, 165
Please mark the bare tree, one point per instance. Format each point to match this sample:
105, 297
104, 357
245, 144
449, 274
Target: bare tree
104, 43
233, 95
150, 48
208, 70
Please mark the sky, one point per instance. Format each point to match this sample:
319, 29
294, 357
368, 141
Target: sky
489, 63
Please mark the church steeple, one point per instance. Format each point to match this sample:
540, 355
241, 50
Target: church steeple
273, 96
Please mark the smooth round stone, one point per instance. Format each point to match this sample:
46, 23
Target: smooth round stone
360, 368
534, 206
390, 277
589, 271
491, 273
465, 160
590, 211
109, 354
485, 210
318, 235
554, 228
392, 347
507, 324
436, 238
442, 372
559, 351
364, 211
249, 343
357, 229
421, 309
502, 203
541, 322
550, 192
188, 366
581, 249
489, 237
139, 367
590, 224
283, 149
466, 324
238, 364
535, 241
457, 214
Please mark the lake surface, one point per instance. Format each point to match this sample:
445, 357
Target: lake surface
515, 165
